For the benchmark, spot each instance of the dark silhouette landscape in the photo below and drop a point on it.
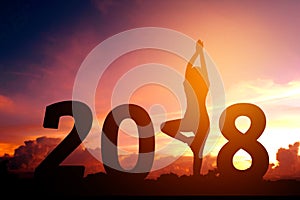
(68, 181)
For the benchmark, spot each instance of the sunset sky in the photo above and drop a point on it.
(254, 45)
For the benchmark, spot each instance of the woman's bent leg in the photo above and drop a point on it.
(172, 128)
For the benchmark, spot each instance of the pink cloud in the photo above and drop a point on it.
(28, 156)
(6, 104)
(104, 5)
(45, 82)
(289, 163)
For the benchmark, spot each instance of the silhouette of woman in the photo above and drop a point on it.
(196, 119)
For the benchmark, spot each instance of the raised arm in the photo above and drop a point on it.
(190, 64)
(202, 61)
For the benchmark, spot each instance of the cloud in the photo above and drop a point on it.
(288, 163)
(6, 104)
(104, 5)
(54, 74)
(265, 91)
(83, 156)
(182, 166)
(28, 156)
(280, 104)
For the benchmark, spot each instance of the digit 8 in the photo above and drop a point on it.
(247, 141)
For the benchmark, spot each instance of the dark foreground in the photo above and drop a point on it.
(100, 184)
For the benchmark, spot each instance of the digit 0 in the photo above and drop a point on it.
(109, 141)
(247, 141)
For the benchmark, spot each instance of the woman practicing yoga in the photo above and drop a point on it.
(196, 119)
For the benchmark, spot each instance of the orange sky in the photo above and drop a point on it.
(252, 44)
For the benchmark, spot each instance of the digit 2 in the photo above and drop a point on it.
(82, 124)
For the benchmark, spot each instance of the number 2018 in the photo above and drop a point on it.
(110, 130)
